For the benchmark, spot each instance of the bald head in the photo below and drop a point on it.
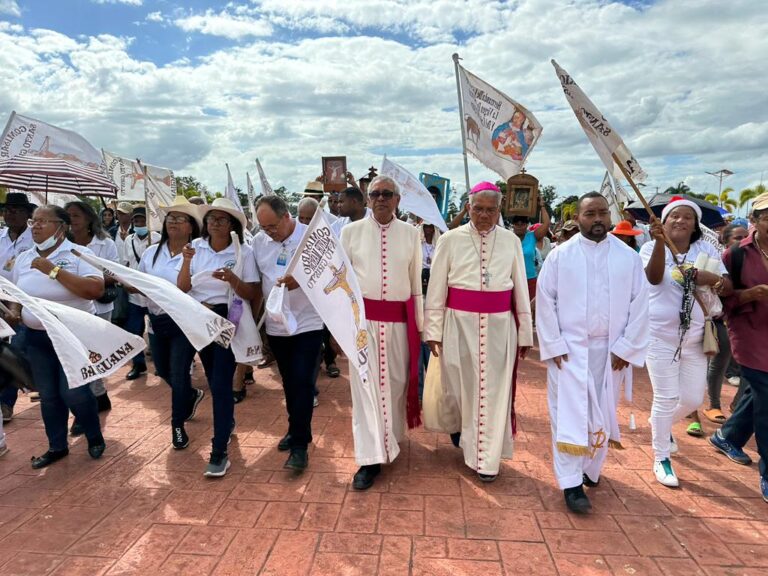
(306, 209)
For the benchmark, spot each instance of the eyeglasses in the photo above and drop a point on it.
(41, 222)
(269, 229)
(219, 221)
(487, 211)
(385, 194)
(179, 220)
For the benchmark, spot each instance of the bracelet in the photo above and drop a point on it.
(55, 272)
(718, 286)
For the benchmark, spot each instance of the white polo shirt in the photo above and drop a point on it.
(208, 289)
(272, 259)
(133, 248)
(10, 249)
(37, 284)
(104, 248)
(666, 298)
(166, 267)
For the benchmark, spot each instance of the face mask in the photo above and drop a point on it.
(140, 230)
(48, 243)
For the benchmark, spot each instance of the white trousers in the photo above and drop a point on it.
(570, 469)
(678, 387)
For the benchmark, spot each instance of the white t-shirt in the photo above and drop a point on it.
(10, 250)
(104, 248)
(37, 284)
(272, 259)
(166, 267)
(666, 298)
(133, 248)
(211, 290)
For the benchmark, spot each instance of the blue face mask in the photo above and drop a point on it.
(140, 230)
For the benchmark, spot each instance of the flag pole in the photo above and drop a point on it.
(461, 120)
(146, 203)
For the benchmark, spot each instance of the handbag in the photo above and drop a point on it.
(711, 344)
(442, 410)
(109, 296)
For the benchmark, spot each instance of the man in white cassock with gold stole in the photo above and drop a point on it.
(385, 254)
(592, 323)
(477, 316)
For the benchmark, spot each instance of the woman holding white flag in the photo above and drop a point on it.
(210, 260)
(171, 350)
(51, 271)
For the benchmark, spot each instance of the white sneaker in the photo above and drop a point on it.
(673, 447)
(664, 473)
(734, 381)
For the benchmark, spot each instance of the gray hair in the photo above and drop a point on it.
(277, 204)
(307, 201)
(485, 194)
(386, 180)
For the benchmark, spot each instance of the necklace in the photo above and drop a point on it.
(757, 241)
(430, 249)
(486, 275)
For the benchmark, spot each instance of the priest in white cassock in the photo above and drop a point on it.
(592, 323)
(385, 254)
(477, 321)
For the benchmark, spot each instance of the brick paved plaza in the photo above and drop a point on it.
(146, 509)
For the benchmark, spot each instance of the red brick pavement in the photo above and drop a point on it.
(146, 509)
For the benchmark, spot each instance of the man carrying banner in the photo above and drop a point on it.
(296, 348)
(592, 322)
(477, 317)
(385, 254)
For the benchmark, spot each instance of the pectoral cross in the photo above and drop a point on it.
(486, 278)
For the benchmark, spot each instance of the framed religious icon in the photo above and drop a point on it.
(522, 198)
(334, 173)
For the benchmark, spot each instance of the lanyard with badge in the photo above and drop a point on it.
(284, 255)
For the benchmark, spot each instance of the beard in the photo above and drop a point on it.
(596, 232)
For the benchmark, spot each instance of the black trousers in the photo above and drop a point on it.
(297, 360)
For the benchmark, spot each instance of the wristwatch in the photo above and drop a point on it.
(55, 272)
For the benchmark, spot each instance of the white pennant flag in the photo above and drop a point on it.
(231, 191)
(324, 272)
(160, 190)
(266, 189)
(621, 194)
(246, 343)
(500, 132)
(127, 175)
(606, 191)
(88, 347)
(200, 325)
(606, 141)
(414, 197)
(251, 196)
(24, 136)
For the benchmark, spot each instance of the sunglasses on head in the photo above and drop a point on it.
(386, 194)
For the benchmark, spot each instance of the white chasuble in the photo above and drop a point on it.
(387, 263)
(479, 350)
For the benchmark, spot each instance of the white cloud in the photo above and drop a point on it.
(128, 2)
(10, 7)
(155, 17)
(683, 83)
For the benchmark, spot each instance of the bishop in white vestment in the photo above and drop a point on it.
(592, 323)
(385, 254)
(476, 289)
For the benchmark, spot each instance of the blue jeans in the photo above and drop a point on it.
(751, 416)
(10, 394)
(297, 360)
(173, 354)
(56, 397)
(219, 367)
(134, 324)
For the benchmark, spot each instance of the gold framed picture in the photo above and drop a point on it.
(522, 198)
(334, 173)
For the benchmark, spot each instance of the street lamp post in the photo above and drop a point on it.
(720, 174)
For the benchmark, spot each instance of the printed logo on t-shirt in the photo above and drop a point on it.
(229, 264)
(62, 263)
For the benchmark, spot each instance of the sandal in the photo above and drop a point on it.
(715, 415)
(694, 429)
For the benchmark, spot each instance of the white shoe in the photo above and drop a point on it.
(664, 473)
(734, 381)
(673, 447)
(315, 402)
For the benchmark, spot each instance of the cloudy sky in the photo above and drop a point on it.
(196, 83)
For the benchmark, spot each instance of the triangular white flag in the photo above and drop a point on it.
(414, 197)
(266, 189)
(231, 192)
(606, 191)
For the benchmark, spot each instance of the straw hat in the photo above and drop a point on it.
(624, 228)
(181, 204)
(760, 203)
(125, 207)
(313, 188)
(224, 205)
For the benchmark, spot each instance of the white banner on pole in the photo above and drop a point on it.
(606, 191)
(414, 197)
(266, 189)
(231, 192)
(325, 274)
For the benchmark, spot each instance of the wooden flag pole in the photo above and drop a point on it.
(146, 203)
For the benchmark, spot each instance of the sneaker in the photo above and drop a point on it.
(734, 381)
(217, 465)
(315, 402)
(664, 473)
(199, 395)
(179, 438)
(7, 412)
(4, 450)
(736, 454)
(763, 482)
(673, 447)
(576, 500)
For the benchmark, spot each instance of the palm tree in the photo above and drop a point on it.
(681, 188)
(568, 211)
(723, 200)
(749, 194)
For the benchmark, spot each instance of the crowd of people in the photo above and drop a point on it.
(449, 318)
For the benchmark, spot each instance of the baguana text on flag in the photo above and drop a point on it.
(231, 192)
(414, 197)
(127, 175)
(606, 191)
(605, 140)
(266, 189)
(499, 132)
(24, 136)
(322, 269)
(88, 347)
(200, 325)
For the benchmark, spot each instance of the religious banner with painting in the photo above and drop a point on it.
(334, 173)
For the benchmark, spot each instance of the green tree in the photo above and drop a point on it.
(560, 211)
(189, 186)
(723, 200)
(749, 194)
(681, 188)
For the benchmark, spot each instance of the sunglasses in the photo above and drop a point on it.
(385, 194)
